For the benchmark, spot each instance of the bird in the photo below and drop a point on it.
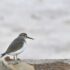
(17, 44)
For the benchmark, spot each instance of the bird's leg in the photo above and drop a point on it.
(15, 59)
(16, 56)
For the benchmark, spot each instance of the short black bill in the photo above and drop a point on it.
(30, 38)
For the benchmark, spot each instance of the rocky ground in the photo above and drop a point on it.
(43, 64)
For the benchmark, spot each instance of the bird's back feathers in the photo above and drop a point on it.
(15, 45)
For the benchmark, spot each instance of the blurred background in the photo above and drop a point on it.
(47, 21)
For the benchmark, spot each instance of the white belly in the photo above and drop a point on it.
(18, 52)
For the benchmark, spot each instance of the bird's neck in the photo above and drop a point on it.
(22, 38)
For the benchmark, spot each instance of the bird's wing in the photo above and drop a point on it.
(15, 45)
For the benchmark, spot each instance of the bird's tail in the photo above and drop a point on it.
(3, 54)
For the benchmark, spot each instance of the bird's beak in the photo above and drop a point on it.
(29, 38)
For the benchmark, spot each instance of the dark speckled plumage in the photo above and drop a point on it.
(16, 44)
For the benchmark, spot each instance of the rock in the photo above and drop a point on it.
(3, 66)
(10, 64)
(51, 64)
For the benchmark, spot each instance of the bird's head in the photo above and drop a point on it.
(24, 35)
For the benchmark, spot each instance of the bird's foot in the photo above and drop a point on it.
(15, 62)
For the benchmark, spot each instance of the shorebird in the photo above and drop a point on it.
(16, 45)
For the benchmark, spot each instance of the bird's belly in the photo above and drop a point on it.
(18, 51)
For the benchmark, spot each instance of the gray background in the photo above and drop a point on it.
(48, 21)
